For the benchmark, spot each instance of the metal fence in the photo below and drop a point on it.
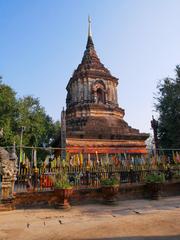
(90, 177)
(38, 166)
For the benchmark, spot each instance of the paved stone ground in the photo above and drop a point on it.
(128, 220)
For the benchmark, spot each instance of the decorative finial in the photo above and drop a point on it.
(89, 27)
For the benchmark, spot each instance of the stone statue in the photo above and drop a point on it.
(8, 171)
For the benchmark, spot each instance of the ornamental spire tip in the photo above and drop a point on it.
(89, 27)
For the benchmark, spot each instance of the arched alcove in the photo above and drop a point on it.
(100, 96)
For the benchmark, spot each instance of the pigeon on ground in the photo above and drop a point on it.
(60, 221)
(136, 212)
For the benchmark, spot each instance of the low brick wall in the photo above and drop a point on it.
(131, 191)
(84, 196)
(171, 189)
(34, 199)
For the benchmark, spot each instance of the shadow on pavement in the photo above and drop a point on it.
(177, 237)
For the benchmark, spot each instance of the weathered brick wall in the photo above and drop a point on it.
(126, 192)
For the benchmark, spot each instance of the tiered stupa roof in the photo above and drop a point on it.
(91, 65)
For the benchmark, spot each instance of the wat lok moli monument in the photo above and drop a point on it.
(94, 119)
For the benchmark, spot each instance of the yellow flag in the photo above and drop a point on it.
(21, 155)
(174, 157)
(58, 161)
(177, 157)
(67, 156)
(81, 159)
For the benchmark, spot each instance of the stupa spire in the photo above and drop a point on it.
(89, 41)
(89, 27)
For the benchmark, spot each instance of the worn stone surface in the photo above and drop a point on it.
(128, 220)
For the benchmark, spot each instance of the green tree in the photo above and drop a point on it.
(39, 127)
(8, 114)
(40, 130)
(168, 107)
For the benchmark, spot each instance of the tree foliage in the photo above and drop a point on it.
(168, 107)
(8, 113)
(26, 112)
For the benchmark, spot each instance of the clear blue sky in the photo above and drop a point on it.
(42, 42)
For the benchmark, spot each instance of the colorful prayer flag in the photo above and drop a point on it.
(35, 157)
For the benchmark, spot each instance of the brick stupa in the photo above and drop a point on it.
(94, 120)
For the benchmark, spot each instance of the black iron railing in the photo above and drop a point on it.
(90, 177)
